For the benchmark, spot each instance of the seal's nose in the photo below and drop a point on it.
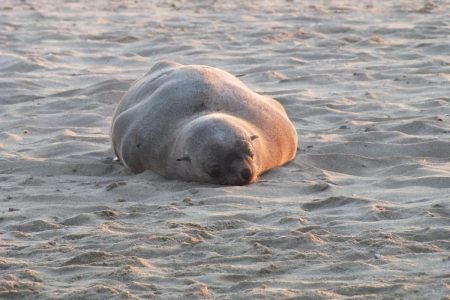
(246, 174)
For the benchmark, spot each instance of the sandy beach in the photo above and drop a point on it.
(363, 212)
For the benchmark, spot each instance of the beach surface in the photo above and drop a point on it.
(363, 212)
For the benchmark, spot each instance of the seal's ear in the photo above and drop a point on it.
(254, 137)
(184, 158)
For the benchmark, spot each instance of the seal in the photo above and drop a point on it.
(199, 123)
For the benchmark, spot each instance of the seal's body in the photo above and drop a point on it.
(199, 123)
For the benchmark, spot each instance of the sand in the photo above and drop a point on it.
(362, 213)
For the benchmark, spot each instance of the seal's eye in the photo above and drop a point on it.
(250, 153)
(214, 171)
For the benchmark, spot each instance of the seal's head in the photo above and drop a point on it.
(231, 164)
(219, 149)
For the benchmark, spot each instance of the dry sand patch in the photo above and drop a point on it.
(362, 213)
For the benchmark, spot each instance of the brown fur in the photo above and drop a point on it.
(199, 123)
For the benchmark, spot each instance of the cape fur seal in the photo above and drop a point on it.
(199, 123)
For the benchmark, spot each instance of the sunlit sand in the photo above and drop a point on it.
(362, 212)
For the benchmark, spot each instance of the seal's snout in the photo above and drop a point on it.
(246, 174)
